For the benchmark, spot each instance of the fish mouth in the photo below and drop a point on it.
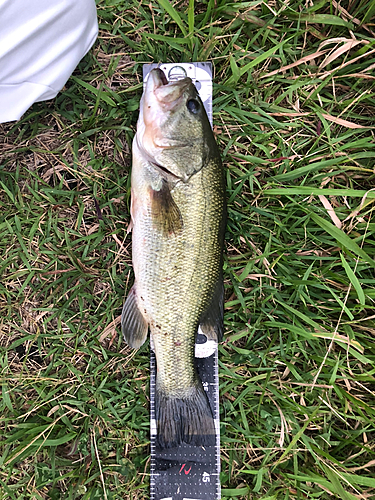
(159, 77)
(168, 94)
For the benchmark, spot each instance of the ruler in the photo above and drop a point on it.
(188, 472)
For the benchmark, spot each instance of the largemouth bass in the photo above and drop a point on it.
(178, 221)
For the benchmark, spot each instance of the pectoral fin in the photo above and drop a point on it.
(165, 213)
(212, 320)
(134, 326)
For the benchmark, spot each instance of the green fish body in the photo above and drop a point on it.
(178, 219)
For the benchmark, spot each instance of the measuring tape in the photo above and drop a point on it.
(188, 472)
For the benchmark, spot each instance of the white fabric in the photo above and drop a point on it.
(41, 43)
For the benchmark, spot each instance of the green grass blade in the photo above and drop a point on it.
(168, 7)
(342, 238)
(321, 19)
(354, 281)
(258, 60)
(233, 493)
(311, 190)
(8, 192)
(97, 92)
(191, 16)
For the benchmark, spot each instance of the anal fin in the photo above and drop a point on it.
(134, 326)
(212, 320)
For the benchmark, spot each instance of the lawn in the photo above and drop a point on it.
(294, 117)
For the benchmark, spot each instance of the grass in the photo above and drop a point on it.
(294, 117)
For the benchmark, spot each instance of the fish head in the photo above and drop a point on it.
(173, 131)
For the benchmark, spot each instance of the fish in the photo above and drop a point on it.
(178, 218)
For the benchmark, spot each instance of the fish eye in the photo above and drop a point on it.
(193, 106)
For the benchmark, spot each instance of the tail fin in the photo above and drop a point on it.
(187, 420)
